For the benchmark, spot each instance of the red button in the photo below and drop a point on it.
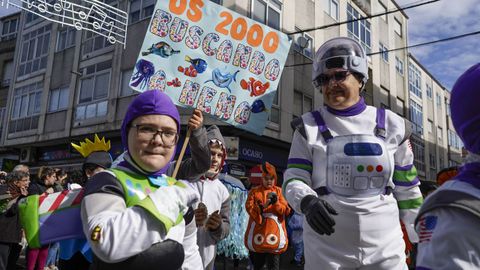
(379, 168)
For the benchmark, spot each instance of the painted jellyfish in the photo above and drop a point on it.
(144, 71)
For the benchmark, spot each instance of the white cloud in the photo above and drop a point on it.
(443, 19)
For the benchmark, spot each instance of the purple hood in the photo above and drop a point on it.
(464, 105)
(148, 103)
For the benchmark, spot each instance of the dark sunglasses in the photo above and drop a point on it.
(324, 79)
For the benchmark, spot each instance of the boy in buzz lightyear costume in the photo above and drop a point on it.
(449, 219)
(134, 216)
(350, 170)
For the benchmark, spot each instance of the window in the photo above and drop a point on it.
(9, 29)
(438, 98)
(220, 2)
(383, 10)
(140, 9)
(267, 12)
(432, 161)
(94, 86)
(66, 38)
(384, 52)
(416, 116)
(447, 106)
(440, 134)
(303, 43)
(31, 17)
(7, 74)
(359, 30)
(414, 80)
(26, 108)
(58, 99)
(332, 9)
(301, 104)
(94, 42)
(418, 148)
(397, 27)
(126, 89)
(400, 107)
(430, 126)
(453, 140)
(274, 116)
(2, 119)
(399, 65)
(35, 50)
(429, 91)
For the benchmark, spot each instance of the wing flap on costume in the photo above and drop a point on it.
(52, 217)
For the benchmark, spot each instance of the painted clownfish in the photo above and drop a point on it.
(256, 87)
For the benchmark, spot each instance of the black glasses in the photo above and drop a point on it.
(324, 79)
(146, 132)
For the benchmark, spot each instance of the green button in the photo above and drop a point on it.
(360, 168)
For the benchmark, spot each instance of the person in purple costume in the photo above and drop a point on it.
(449, 219)
(134, 215)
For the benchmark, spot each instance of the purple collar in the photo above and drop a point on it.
(356, 109)
(470, 173)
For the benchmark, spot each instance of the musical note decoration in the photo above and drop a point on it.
(90, 15)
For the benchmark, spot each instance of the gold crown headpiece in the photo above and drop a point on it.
(88, 147)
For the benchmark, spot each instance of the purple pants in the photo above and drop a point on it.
(38, 257)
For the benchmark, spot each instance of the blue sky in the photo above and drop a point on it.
(446, 61)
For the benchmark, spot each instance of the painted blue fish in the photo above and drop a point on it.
(258, 106)
(223, 80)
(198, 64)
(161, 49)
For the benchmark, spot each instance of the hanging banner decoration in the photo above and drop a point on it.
(91, 15)
(208, 57)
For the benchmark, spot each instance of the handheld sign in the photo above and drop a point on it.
(208, 57)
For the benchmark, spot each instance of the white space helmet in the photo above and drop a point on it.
(340, 52)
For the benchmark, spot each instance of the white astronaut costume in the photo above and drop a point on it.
(449, 238)
(448, 221)
(354, 175)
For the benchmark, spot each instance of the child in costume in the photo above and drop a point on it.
(266, 235)
(76, 254)
(135, 217)
(449, 219)
(212, 213)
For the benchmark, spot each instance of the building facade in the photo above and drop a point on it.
(68, 84)
(434, 141)
(9, 26)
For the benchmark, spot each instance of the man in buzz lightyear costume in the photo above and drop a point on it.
(134, 216)
(350, 170)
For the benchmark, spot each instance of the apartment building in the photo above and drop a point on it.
(76, 83)
(9, 26)
(434, 141)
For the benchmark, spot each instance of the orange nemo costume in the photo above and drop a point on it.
(266, 231)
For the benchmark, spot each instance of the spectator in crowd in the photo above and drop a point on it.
(37, 257)
(11, 230)
(266, 235)
(3, 178)
(22, 167)
(213, 211)
(62, 178)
